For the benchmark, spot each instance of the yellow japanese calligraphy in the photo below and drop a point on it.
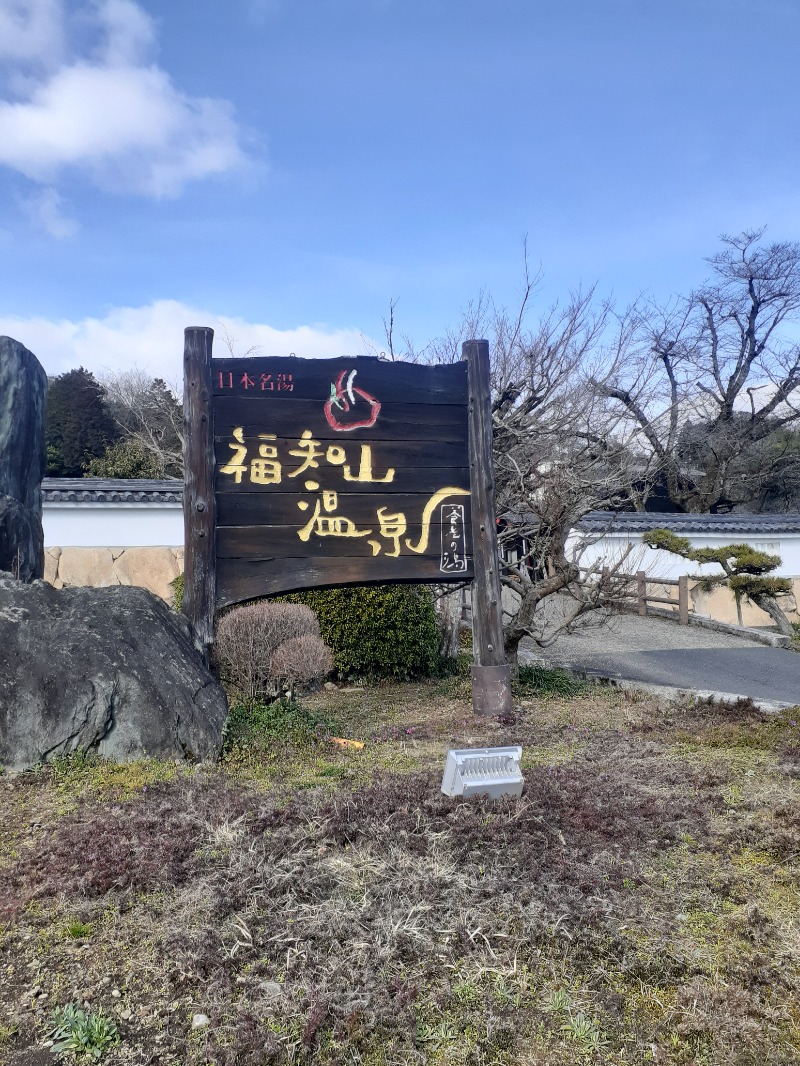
(236, 466)
(393, 526)
(328, 525)
(266, 470)
(365, 468)
(427, 514)
(308, 450)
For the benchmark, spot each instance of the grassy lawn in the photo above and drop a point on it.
(306, 903)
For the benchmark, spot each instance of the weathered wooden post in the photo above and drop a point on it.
(491, 677)
(199, 504)
(683, 600)
(641, 592)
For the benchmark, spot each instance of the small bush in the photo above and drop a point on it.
(300, 660)
(77, 930)
(540, 681)
(284, 719)
(247, 639)
(377, 631)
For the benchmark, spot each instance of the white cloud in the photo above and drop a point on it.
(44, 208)
(32, 30)
(151, 338)
(111, 115)
(129, 32)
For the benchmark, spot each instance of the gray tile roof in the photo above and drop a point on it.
(110, 490)
(724, 525)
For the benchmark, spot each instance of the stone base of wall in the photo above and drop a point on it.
(720, 604)
(150, 568)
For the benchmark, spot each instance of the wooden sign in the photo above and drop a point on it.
(335, 472)
(307, 473)
(338, 471)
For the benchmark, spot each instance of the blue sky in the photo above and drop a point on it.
(285, 168)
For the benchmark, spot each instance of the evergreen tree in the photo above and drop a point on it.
(78, 426)
(745, 572)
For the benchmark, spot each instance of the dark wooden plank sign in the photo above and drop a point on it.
(337, 471)
(309, 473)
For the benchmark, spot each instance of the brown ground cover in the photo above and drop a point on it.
(638, 904)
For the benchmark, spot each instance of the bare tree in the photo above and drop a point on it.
(396, 346)
(149, 415)
(231, 342)
(713, 379)
(560, 450)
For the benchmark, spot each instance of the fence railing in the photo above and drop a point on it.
(612, 582)
(638, 584)
(643, 598)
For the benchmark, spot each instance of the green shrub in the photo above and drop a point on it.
(377, 631)
(283, 719)
(535, 680)
(126, 459)
(177, 593)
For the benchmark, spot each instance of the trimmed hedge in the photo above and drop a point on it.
(377, 631)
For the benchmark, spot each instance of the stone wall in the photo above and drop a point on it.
(720, 605)
(150, 568)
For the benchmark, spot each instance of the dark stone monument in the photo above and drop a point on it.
(23, 394)
(106, 670)
(111, 670)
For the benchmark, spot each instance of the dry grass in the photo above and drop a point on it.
(638, 904)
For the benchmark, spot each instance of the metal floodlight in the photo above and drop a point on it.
(490, 772)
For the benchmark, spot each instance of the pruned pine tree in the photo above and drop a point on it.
(745, 571)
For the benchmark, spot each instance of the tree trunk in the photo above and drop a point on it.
(770, 606)
(738, 598)
(448, 610)
(511, 649)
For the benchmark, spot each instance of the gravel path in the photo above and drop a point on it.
(659, 652)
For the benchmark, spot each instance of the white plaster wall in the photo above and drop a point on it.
(719, 604)
(610, 548)
(108, 525)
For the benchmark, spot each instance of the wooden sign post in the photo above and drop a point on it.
(199, 504)
(491, 676)
(310, 473)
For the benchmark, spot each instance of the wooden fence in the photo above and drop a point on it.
(641, 581)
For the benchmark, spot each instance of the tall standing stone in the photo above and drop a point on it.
(23, 394)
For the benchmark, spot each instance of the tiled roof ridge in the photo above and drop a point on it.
(723, 524)
(111, 490)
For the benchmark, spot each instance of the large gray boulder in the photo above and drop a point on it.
(23, 459)
(109, 670)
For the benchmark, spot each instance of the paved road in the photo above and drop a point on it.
(659, 652)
